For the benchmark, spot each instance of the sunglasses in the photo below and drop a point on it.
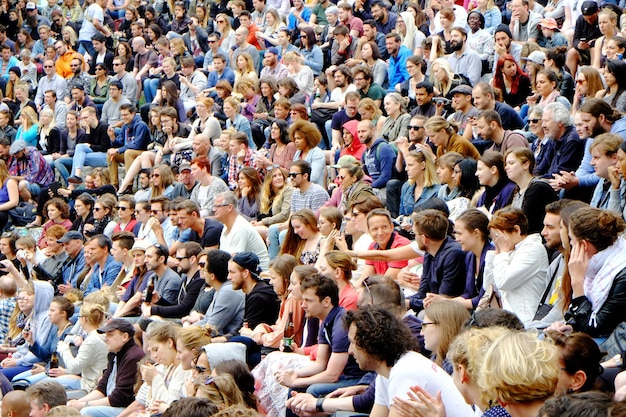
(117, 65)
(580, 81)
(155, 175)
(534, 121)
(294, 174)
(97, 209)
(122, 208)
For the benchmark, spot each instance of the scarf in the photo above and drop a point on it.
(601, 272)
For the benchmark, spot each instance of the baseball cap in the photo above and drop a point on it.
(549, 23)
(462, 89)
(184, 166)
(249, 261)
(18, 145)
(71, 235)
(118, 324)
(141, 245)
(30, 6)
(536, 56)
(273, 50)
(344, 161)
(589, 8)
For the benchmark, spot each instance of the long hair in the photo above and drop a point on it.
(167, 178)
(442, 86)
(254, 178)
(618, 69)
(498, 79)
(268, 193)
(172, 93)
(30, 117)
(469, 183)
(593, 78)
(51, 125)
(449, 317)
(293, 243)
(430, 172)
(4, 172)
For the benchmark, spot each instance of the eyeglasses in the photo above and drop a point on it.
(534, 121)
(415, 127)
(220, 205)
(580, 81)
(48, 66)
(117, 65)
(427, 323)
(181, 258)
(359, 79)
(74, 66)
(57, 48)
(99, 69)
(294, 174)
(155, 175)
(303, 36)
(219, 21)
(212, 41)
(122, 208)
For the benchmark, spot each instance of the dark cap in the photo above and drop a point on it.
(272, 50)
(78, 86)
(588, 8)
(118, 324)
(184, 166)
(71, 235)
(462, 89)
(505, 29)
(249, 261)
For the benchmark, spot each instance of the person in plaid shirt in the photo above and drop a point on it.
(30, 168)
(240, 156)
(8, 298)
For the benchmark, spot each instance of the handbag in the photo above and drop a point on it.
(615, 344)
(490, 299)
(23, 214)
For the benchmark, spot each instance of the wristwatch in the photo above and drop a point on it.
(319, 405)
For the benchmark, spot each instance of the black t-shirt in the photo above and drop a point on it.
(211, 234)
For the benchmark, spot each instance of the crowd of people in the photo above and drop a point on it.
(301, 208)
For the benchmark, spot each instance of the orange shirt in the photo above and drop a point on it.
(63, 67)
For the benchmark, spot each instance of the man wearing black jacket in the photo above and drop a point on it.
(115, 389)
(93, 152)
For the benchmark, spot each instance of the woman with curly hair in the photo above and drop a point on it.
(305, 137)
(58, 212)
(511, 79)
(303, 237)
(248, 193)
(275, 202)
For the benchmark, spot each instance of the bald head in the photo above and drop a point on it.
(8, 287)
(15, 402)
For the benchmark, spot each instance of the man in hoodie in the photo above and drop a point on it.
(132, 140)
(378, 160)
(261, 304)
(115, 389)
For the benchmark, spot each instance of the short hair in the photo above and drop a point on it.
(607, 143)
(125, 239)
(128, 199)
(191, 248)
(345, 6)
(8, 286)
(431, 223)
(579, 404)
(323, 285)
(366, 204)
(362, 69)
(102, 241)
(57, 231)
(491, 116)
(129, 107)
(229, 198)
(47, 392)
(380, 333)
(189, 206)
(426, 85)
(394, 36)
(560, 114)
(203, 162)
(379, 212)
(191, 407)
(519, 368)
(341, 30)
(507, 218)
(305, 167)
(217, 264)
(63, 410)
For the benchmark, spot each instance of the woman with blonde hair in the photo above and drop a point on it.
(422, 183)
(221, 390)
(69, 36)
(226, 30)
(244, 68)
(273, 23)
(444, 134)
(305, 137)
(49, 135)
(9, 194)
(607, 23)
(443, 78)
(71, 9)
(303, 237)
(189, 345)
(236, 120)
(300, 73)
(29, 127)
(370, 111)
(397, 123)
(162, 181)
(179, 51)
(520, 372)
(275, 203)
(443, 321)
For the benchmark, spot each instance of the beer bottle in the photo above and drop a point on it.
(289, 334)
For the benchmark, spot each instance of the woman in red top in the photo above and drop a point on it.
(58, 212)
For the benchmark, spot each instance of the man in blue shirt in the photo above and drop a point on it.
(105, 268)
(398, 55)
(378, 159)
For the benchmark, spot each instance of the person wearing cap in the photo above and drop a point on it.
(64, 279)
(80, 99)
(29, 167)
(503, 44)
(51, 81)
(114, 391)
(586, 31)
(272, 68)
(552, 37)
(65, 58)
(464, 110)
(102, 56)
(261, 302)
(131, 295)
(186, 183)
(111, 107)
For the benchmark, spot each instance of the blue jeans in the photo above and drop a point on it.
(11, 372)
(63, 167)
(150, 88)
(102, 411)
(35, 189)
(86, 46)
(276, 239)
(85, 156)
(28, 376)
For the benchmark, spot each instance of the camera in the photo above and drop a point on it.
(441, 101)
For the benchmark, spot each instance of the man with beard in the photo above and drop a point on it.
(185, 184)
(28, 166)
(33, 21)
(464, 61)
(444, 261)
(167, 282)
(484, 99)
(465, 112)
(187, 258)
(378, 159)
(340, 82)
(398, 54)
(78, 79)
(385, 20)
(204, 231)
(565, 149)
(424, 92)
(489, 127)
(504, 45)
(271, 67)
(364, 82)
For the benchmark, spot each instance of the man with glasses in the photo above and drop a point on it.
(132, 140)
(187, 258)
(159, 208)
(51, 81)
(364, 81)
(214, 49)
(65, 58)
(78, 78)
(111, 109)
(102, 56)
(129, 84)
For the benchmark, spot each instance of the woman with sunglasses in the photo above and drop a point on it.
(588, 83)
(422, 184)
(189, 345)
(126, 214)
(99, 86)
(103, 210)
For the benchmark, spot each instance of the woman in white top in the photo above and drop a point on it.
(412, 37)
(301, 74)
(209, 187)
(83, 370)
(517, 268)
(226, 30)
